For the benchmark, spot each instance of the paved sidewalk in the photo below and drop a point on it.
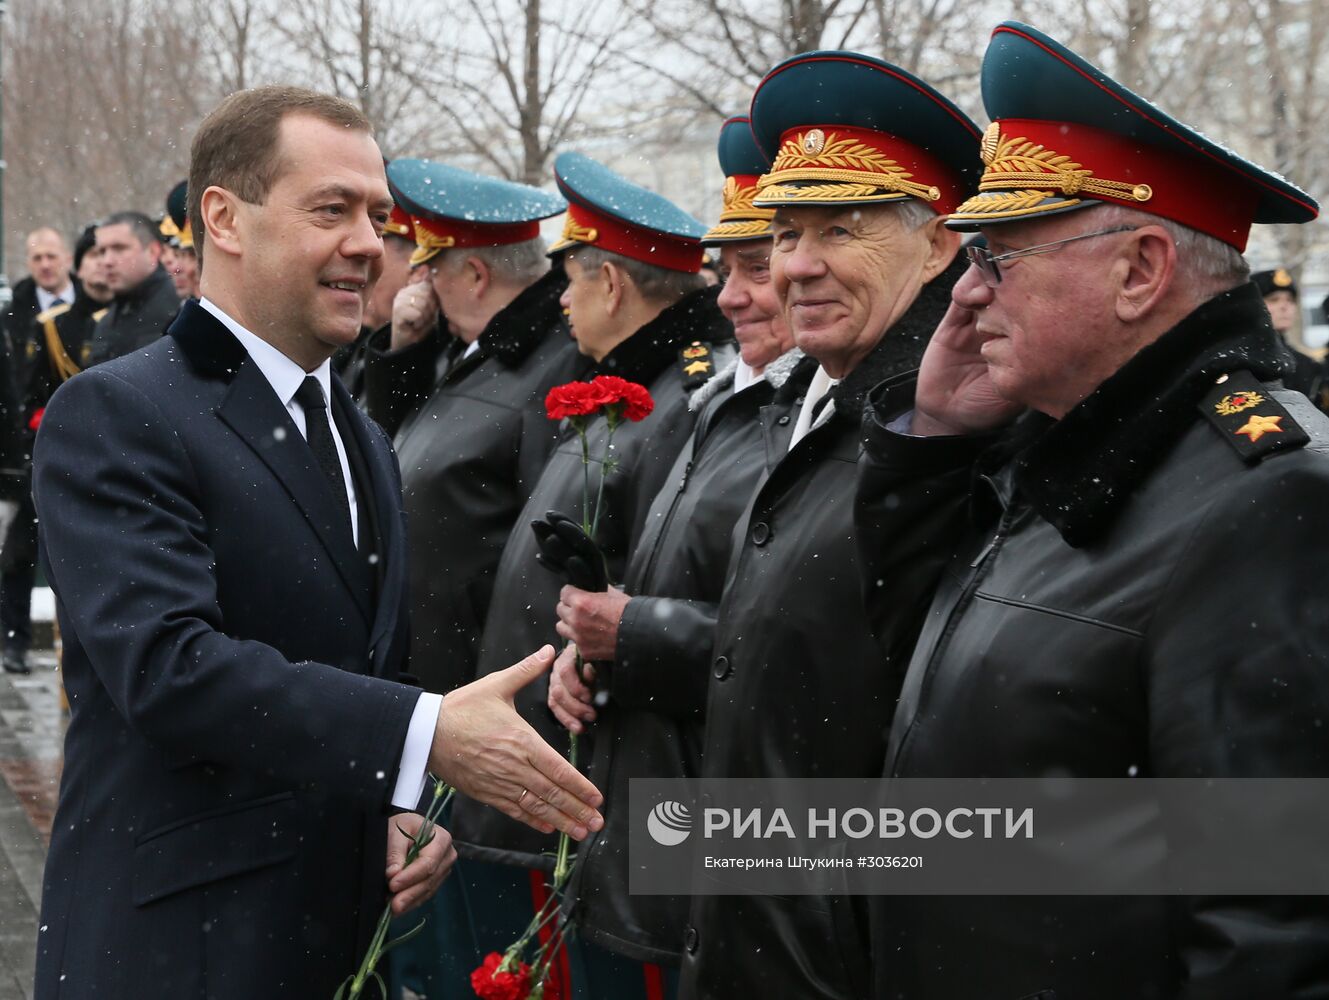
(31, 737)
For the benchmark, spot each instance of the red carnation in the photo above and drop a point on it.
(637, 400)
(573, 399)
(491, 984)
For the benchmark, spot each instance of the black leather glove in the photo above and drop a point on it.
(567, 551)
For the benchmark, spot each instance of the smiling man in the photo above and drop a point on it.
(863, 268)
(640, 311)
(651, 640)
(1124, 570)
(223, 532)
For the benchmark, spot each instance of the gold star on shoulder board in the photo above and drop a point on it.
(696, 367)
(1257, 427)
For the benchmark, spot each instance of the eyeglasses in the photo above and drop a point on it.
(982, 258)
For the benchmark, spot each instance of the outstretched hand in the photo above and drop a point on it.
(485, 749)
(955, 393)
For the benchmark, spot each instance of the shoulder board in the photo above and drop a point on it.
(53, 312)
(1249, 418)
(97, 316)
(696, 363)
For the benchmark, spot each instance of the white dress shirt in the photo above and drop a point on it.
(821, 384)
(744, 376)
(285, 377)
(45, 298)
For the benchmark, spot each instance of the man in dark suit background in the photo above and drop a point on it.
(49, 284)
(223, 532)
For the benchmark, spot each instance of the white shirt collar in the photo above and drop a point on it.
(45, 298)
(283, 374)
(821, 384)
(744, 376)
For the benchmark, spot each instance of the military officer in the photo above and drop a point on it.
(473, 444)
(651, 640)
(1281, 298)
(866, 159)
(639, 310)
(64, 332)
(1089, 623)
(179, 257)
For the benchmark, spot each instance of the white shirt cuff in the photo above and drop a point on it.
(415, 755)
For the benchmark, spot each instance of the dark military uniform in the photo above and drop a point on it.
(796, 689)
(1122, 591)
(1308, 376)
(651, 725)
(18, 555)
(62, 345)
(503, 867)
(469, 457)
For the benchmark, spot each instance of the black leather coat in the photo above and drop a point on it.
(470, 454)
(651, 726)
(521, 612)
(1126, 596)
(797, 689)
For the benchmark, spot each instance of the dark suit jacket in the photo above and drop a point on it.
(229, 657)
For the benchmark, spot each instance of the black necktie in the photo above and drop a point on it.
(318, 432)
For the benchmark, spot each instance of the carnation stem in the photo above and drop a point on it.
(586, 479)
(376, 950)
(600, 491)
(562, 865)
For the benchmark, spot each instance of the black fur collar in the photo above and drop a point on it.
(901, 349)
(207, 345)
(523, 323)
(647, 352)
(1082, 469)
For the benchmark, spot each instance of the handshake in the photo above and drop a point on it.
(483, 747)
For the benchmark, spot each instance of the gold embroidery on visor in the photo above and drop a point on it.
(846, 169)
(1023, 177)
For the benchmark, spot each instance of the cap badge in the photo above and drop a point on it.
(814, 141)
(1236, 402)
(1282, 279)
(988, 148)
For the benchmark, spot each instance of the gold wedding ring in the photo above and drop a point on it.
(524, 793)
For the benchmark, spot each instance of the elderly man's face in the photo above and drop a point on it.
(314, 249)
(844, 276)
(749, 301)
(1048, 327)
(586, 301)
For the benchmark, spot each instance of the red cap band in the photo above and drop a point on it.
(1205, 196)
(585, 225)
